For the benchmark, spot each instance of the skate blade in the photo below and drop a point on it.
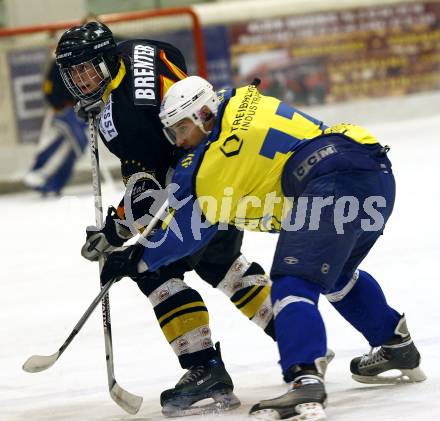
(312, 411)
(222, 402)
(414, 375)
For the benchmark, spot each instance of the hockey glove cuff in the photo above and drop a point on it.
(124, 262)
(84, 108)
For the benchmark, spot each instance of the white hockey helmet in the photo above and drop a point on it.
(185, 99)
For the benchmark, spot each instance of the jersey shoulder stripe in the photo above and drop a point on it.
(180, 74)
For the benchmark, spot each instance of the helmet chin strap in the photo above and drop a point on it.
(209, 117)
(207, 132)
(104, 69)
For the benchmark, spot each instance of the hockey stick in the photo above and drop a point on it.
(37, 363)
(126, 400)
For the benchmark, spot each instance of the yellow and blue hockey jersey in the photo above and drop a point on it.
(234, 176)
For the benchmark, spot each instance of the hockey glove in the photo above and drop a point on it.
(111, 236)
(124, 262)
(84, 108)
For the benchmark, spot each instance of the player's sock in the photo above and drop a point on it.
(183, 318)
(299, 326)
(248, 287)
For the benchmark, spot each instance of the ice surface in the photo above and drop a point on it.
(45, 286)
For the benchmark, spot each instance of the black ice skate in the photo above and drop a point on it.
(210, 380)
(305, 400)
(399, 354)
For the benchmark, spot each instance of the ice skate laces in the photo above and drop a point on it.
(191, 375)
(375, 356)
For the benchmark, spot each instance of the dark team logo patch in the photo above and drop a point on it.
(145, 86)
(232, 146)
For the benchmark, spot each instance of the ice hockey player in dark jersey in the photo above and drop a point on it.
(129, 80)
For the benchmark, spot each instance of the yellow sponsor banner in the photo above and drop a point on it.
(342, 54)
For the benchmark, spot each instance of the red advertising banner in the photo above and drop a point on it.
(340, 55)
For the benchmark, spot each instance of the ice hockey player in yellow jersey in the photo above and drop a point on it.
(258, 163)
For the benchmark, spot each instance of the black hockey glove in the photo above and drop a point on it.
(124, 262)
(84, 108)
(111, 236)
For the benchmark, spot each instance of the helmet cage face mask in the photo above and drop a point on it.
(87, 80)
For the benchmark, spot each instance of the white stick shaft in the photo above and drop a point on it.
(128, 401)
(96, 184)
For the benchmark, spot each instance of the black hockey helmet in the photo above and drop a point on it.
(88, 60)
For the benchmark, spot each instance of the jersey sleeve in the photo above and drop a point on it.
(142, 197)
(186, 229)
(178, 237)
